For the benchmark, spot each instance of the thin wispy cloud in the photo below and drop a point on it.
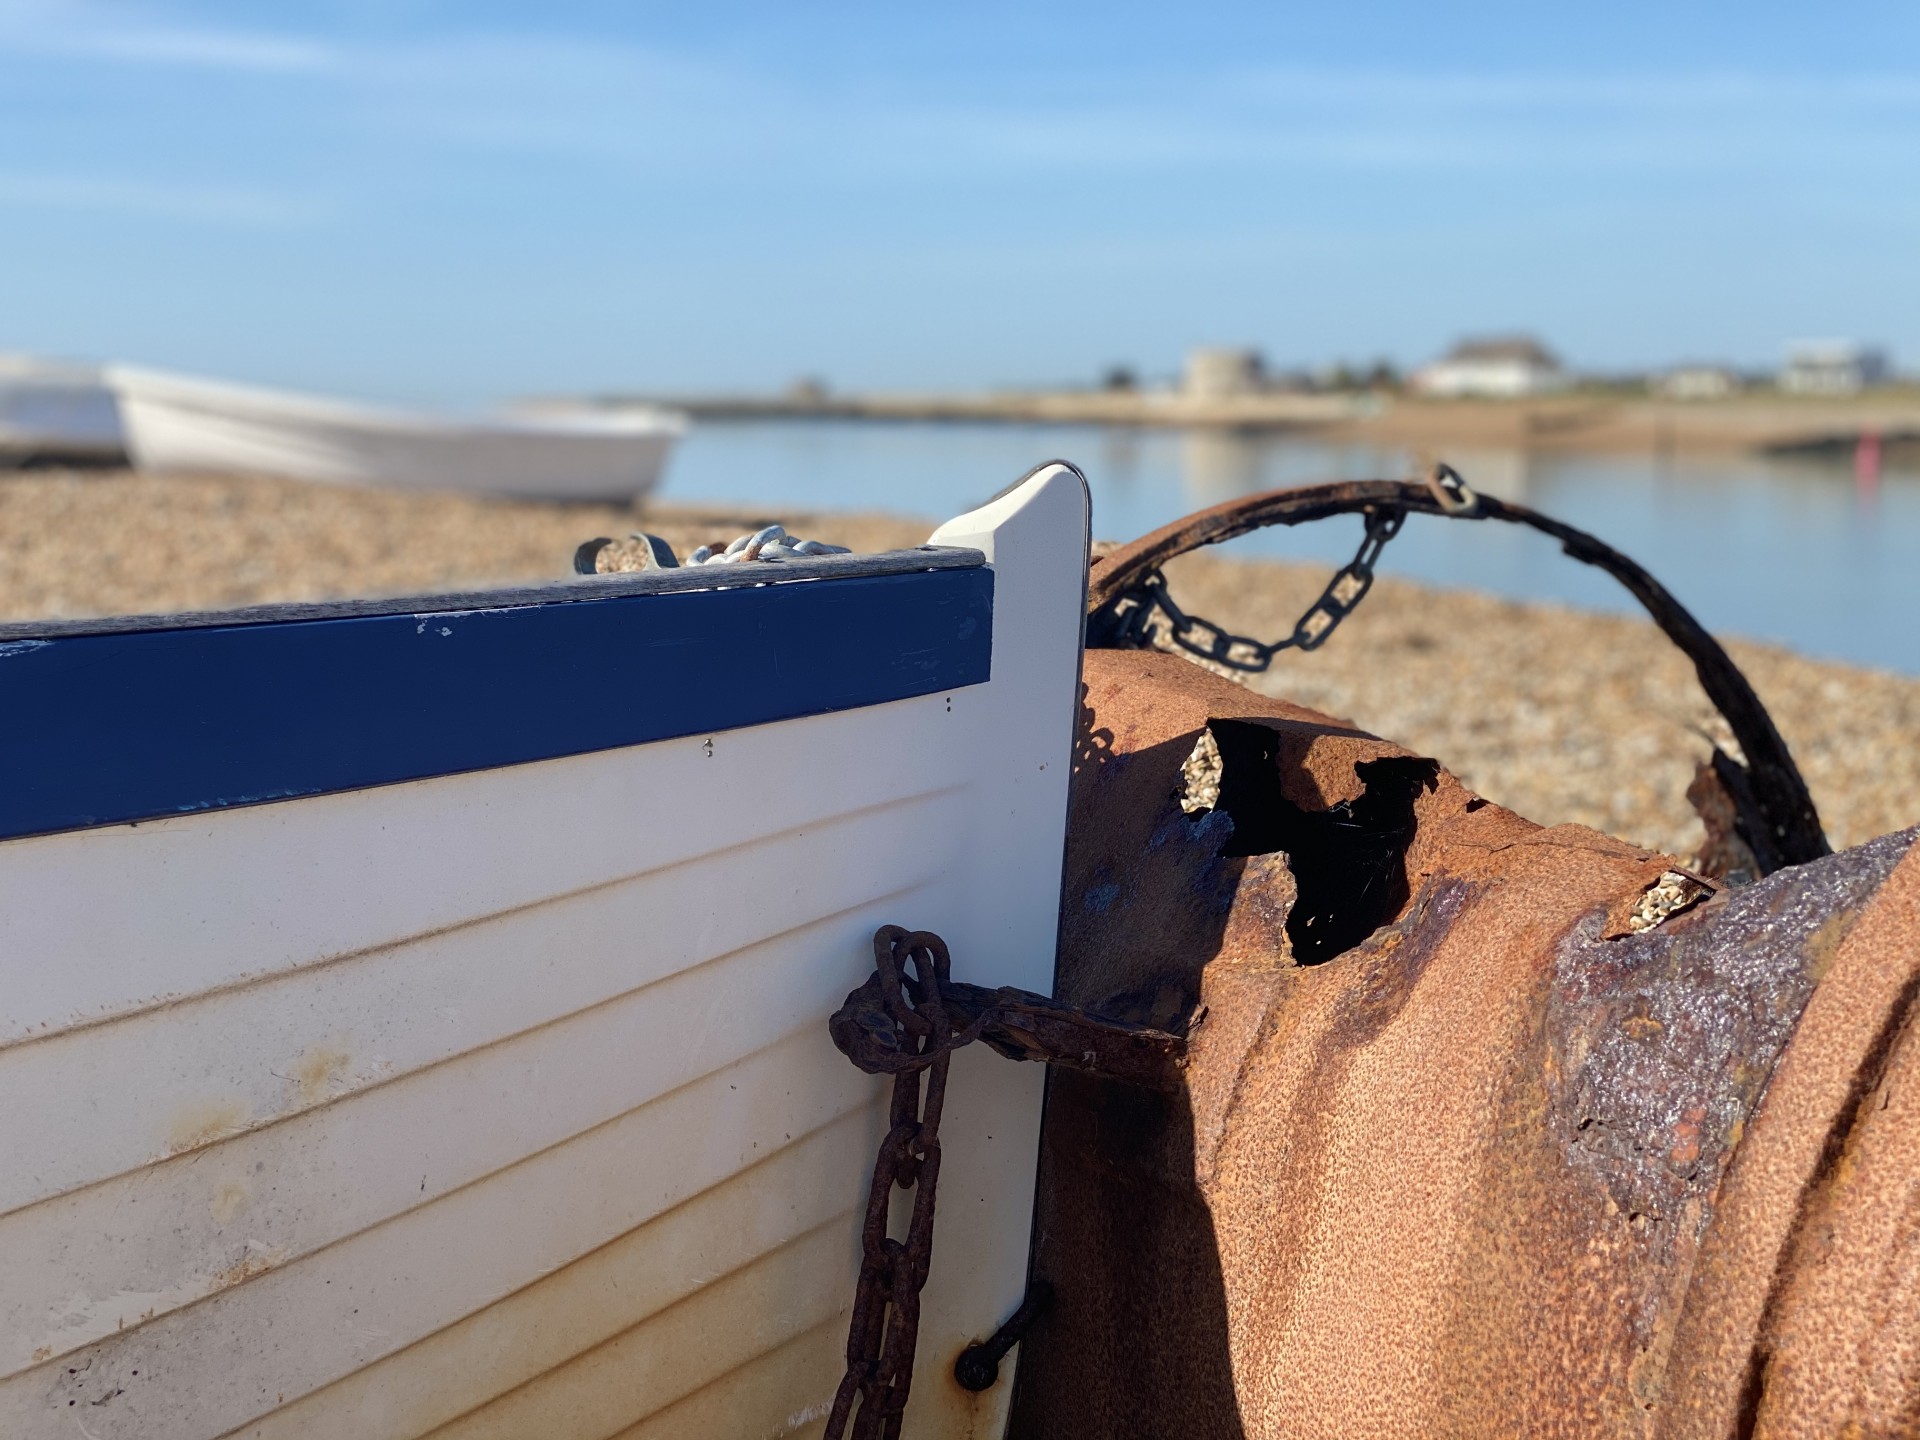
(656, 111)
(213, 49)
(148, 199)
(651, 110)
(1402, 119)
(92, 32)
(1440, 91)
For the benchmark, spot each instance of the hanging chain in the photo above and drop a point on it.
(886, 1306)
(901, 1024)
(1137, 604)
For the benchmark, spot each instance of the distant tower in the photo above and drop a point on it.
(1219, 370)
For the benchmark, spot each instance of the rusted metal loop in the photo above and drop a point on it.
(919, 1241)
(1784, 826)
(900, 1153)
(978, 1367)
(887, 957)
(1455, 496)
(914, 1004)
(931, 967)
(864, 1030)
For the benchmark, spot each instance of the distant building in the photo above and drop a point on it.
(1506, 366)
(1832, 367)
(1698, 382)
(1215, 371)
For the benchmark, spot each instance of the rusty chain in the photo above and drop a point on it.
(1136, 606)
(1133, 609)
(902, 1024)
(886, 1307)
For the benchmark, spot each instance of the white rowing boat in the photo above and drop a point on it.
(57, 411)
(413, 1014)
(176, 422)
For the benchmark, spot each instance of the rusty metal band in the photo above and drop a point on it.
(1783, 813)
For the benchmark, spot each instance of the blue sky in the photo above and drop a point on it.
(453, 203)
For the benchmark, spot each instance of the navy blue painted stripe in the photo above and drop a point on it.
(98, 729)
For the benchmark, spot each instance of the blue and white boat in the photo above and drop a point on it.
(412, 1014)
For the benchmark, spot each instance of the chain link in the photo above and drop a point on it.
(886, 1308)
(903, 1024)
(1138, 603)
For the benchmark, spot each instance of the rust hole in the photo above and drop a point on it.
(1348, 861)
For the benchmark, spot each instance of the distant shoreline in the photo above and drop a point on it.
(1567, 422)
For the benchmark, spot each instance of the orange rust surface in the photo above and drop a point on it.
(1498, 1168)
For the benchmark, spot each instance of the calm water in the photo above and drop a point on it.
(1789, 551)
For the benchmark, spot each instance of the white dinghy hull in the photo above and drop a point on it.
(414, 1023)
(175, 422)
(55, 411)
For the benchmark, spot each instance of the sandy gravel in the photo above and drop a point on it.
(1559, 714)
(79, 543)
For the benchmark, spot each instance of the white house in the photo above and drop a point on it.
(1698, 382)
(1832, 367)
(1506, 366)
